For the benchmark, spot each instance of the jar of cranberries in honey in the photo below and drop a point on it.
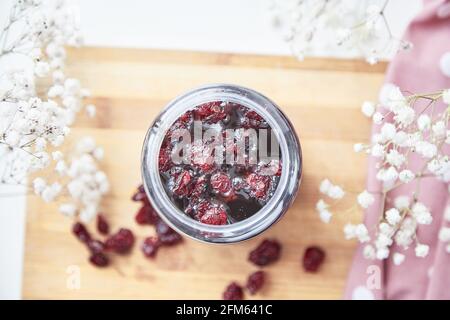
(221, 163)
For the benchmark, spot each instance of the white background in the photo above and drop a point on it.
(241, 26)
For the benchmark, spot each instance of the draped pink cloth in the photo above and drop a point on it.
(418, 71)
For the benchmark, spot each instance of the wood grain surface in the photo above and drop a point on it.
(322, 98)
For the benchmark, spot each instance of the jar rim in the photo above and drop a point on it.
(276, 206)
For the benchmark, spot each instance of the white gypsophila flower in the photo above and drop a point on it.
(325, 185)
(395, 100)
(398, 258)
(439, 129)
(401, 202)
(406, 176)
(377, 118)
(68, 209)
(382, 253)
(388, 131)
(368, 108)
(325, 216)
(421, 213)
(55, 91)
(405, 116)
(369, 252)
(91, 110)
(39, 185)
(98, 153)
(365, 199)
(401, 138)
(321, 205)
(336, 192)
(446, 96)
(358, 147)
(426, 149)
(383, 241)
(377, 150)
(393, 216)
(395, 158)
(386, 229)
(387, 175)
(423, 122)
(362, 233)
(349, 231)
(422, 250)
(444, 234)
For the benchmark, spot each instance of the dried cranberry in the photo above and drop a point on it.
(81, 232)
(266, 253)
(215, 215)
(140, 194)
(221, 183)
(99, 259)
(313, 258)
(96, 246)
(121, 242)
(252, 119)
(181, 183)
(146, 215)
(200, 187)
(255, 281)
(150, 246)
(167, 236)
(102, 224)
(211, 112)
(233, 292)
(258, 185)
(164, 159)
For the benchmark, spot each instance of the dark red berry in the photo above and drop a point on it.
(102, 224)
(164, 159)
(80, 231)
(95, 246)
(150, 246)
(255, 281)
(258, 185)
(221, 183)
(202, 156)
(99, 259)
(215, 215)
(181, 183)
(140, 194)
(313, 258)
(251, 119)
(146, 215)
(233, 292)
(266, 253)
(211, 112)
(167, 236)
(121, 242)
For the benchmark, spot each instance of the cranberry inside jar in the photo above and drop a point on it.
(220, 162)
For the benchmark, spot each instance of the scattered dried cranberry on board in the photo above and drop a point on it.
(102, 224)
(266, 253)
(313, 258)
(255, 281)
(120, 242)
(99, 259)
(150, 246)
(80, 231)
(233, 292)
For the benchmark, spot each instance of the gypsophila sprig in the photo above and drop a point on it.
(32, 125)
(418, 128)
(343, 26)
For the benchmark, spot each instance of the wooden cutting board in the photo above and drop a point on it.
(322, 98)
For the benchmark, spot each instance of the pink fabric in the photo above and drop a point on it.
(415, 71)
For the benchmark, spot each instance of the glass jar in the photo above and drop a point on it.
(276, 206)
